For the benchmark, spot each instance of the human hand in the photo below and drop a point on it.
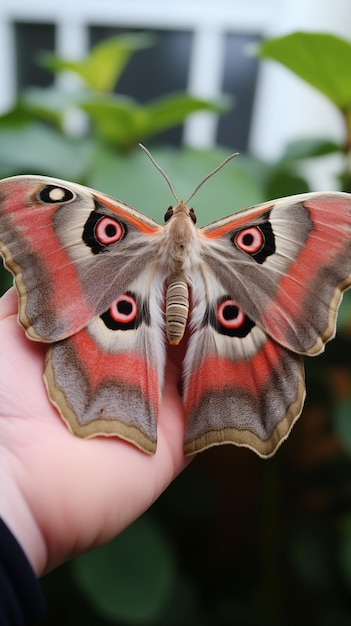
(61, 495)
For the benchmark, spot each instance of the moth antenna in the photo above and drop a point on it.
(159, 168)
(219, 167)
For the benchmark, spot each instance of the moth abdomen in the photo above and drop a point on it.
(177, 308)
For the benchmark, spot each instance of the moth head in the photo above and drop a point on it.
(170, 212)
(180, 208)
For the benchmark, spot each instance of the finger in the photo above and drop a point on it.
(8, 303)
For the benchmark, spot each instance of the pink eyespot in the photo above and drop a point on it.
(250, 240)
(124, 309)
(108, 231)
(230, 315)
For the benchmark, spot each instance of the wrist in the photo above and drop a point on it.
(17, 515)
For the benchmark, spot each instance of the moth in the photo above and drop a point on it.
(106, 287)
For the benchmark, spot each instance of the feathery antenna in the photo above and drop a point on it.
(216, 169)
(159, 168)
(219, 167)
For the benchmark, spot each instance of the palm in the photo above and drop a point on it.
(80, 492)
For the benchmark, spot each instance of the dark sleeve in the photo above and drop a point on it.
(21, 598)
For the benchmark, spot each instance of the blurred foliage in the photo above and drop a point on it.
(323, 61)
(129, 592)
(234, 540)
(103, 66)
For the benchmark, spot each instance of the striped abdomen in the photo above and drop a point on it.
(177, 308)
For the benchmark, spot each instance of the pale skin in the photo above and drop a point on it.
(61, 495)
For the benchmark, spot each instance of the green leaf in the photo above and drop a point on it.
(310, 148)
(17, 115)
(102, 67)
(121, 120)
(49, 104)
(131, 577)
(115, 118)
(173, 109)
(283, 181)
(322, 60)
(33, 148)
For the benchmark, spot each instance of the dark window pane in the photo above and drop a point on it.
(239, 81)
(30, 40)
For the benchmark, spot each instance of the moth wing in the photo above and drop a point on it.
(293, 285)
(107, 378)
(240, 386)
(55, 239)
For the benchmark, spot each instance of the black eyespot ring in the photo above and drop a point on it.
(230, 315)
(250, 240)
(127, 312)
(108, 230)
(54, 194)
(101, 231)
(228, 318)
(257, 240)
(124, 310)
